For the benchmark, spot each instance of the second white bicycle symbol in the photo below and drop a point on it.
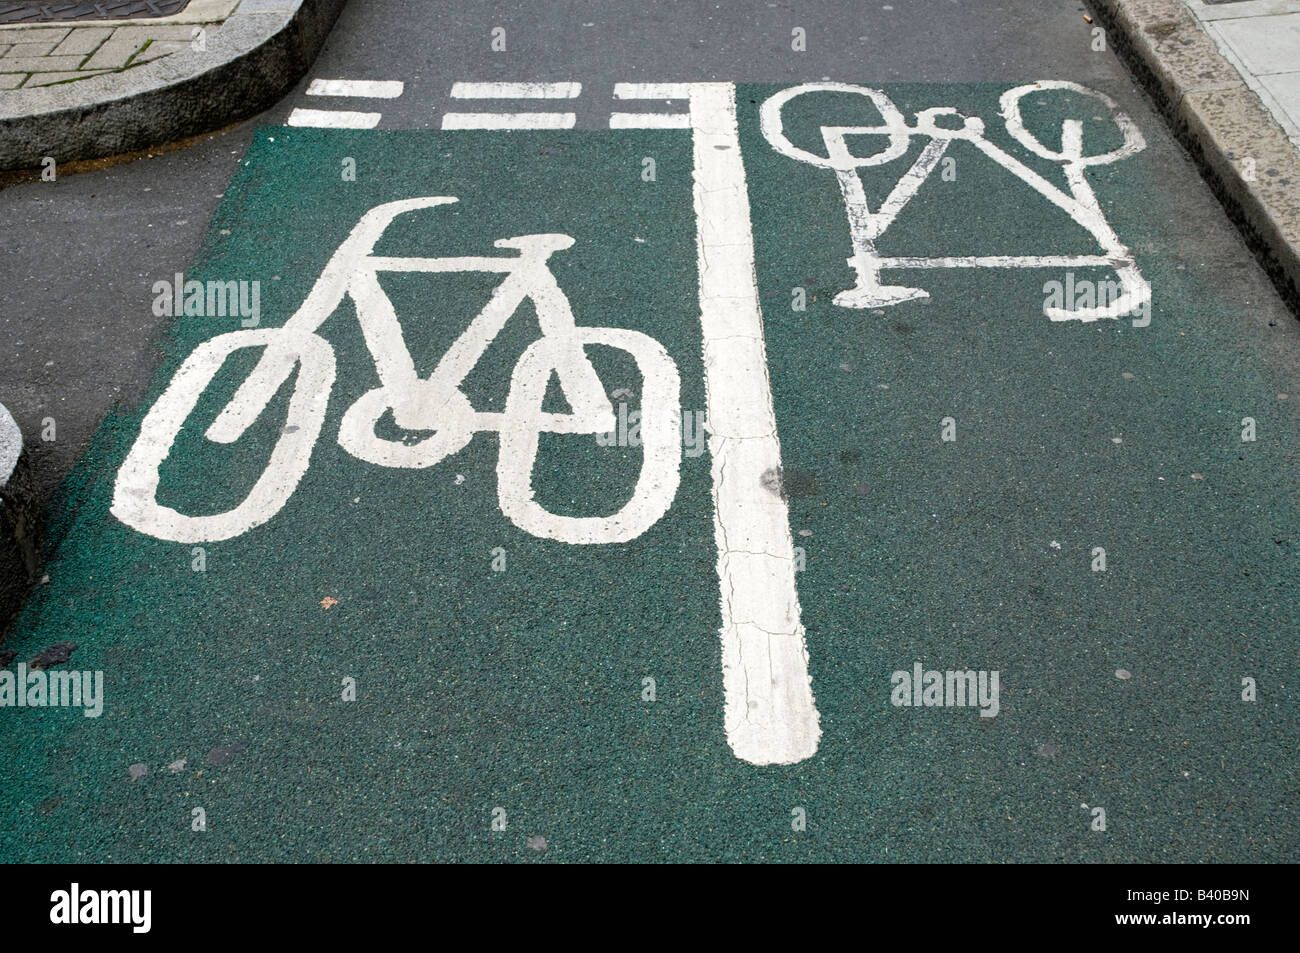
(433, 404)
(941, 126)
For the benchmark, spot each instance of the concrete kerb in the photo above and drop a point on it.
(1244, 155)
(256, 55)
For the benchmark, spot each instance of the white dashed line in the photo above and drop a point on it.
(516, 90)
(364, 88)
(333, 119)
(652, 90)
(649, 121)
(509, 120)
(342, 118)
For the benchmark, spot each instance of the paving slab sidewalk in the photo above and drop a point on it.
(1227, 76)
(84, 89)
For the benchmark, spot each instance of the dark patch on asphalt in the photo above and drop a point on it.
(49, 805)
(53, 655)
(799, 483)
(226, 754)
(789, 484)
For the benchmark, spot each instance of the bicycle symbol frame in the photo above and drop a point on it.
(432, 404)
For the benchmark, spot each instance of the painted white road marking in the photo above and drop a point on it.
(11, 444)
(652, 91)
(516, 90)
(523, 121)
(334, 119)
(363, 88)
(770, 717)
(434, 404)
(865, 227)
(649, 121)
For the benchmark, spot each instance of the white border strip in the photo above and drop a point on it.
(509, 120)
(364, 88)
(333, 119)
(771, 717)
(649, 121)
(516, 90)
(652, 90)
(11, 445)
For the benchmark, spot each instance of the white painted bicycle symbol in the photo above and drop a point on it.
(434, 404)
(866, 227)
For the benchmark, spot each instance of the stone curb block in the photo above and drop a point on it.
(1222, 123)
(250, 61)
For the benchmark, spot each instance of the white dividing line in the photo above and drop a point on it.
(516, 90)
(509, 120)
(333, 119)
(362, 88)
(771, 717)
(652, 90)
(649, 121)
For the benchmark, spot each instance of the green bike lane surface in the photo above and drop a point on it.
(523, 689)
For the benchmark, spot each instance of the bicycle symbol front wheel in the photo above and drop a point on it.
(135, 494)
(524, 422)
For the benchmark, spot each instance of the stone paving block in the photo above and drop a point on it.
(1285, 90)
(1264, 44)
(115, 52)
(38, 64)
(83, 40)
(157, 50)
(182, 31)
(11, 80)
(1233, 10)
(53, 34)
(24, 48)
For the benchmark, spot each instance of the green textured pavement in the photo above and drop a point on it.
(522, 689)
